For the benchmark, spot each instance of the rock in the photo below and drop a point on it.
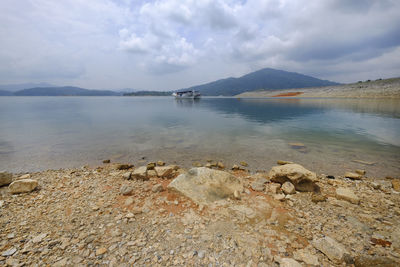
(302, 179)
(259, 184)
(201, 254)
(127, 175)
(101, 251)
(297, 145)
(205, 186)
(151, 165)
(361, 172)
(244, 163)
(5, 178)
(197, 164)
(306, 257)
(126, 190)
(129, 201)
(283, 162)
(288, 188)
(318, 198)
(39, 238)
(331, 248)
(279, 197)
(273, 188)
(396, 184)
(25, 176)
(22, 186)
(160, 163)
(157, 188)
(106, 161)
(236, 195)
(288, 262)
(208, 165)
(220, 165)
(377, 261)
(123, 166)
(140, 173)
(165, 172)
(235, 167)
(9, 252)
(347, 194)
(352, 175)
(151, 173)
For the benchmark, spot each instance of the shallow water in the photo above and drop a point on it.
(38, 133)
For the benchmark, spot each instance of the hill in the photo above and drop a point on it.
(5, 93)
(267, 79)
(386, 88)
(64, 91)
(21, 86)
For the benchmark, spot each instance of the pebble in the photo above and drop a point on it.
(126, 190)
(9, 252)
(157, 188)
(101, 251)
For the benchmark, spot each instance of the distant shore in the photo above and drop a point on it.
(387, 88)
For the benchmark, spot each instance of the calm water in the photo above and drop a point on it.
(55, 132)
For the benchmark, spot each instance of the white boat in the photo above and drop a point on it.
(186, 94)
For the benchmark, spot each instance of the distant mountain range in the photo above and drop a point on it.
(21, 86)
(266, 79)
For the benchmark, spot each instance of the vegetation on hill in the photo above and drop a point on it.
(64, 91)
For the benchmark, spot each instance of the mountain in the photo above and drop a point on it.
(21, 86)
(64, 91)
(267, 79)
(5, 93)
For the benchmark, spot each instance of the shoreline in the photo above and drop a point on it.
(116, 213)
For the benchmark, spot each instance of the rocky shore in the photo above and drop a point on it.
(163, 215)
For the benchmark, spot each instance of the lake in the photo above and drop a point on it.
(328, 136)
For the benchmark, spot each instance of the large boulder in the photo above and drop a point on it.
(22, 186)
(204, 185)
(5, 178)
(302, 179)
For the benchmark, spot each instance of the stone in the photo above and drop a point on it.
(151, 165)
(201, 254)
(165, 172)
(273, 188)
(129, 201)
(101, 251)
(288, 188)
(25, 176)
(140, 173)
(106, 161)
(5, 178)
(236, 195)
(302, 179)
(378, 261)
(331, 248)
(205, 186)
(259, 184)
(306, 257)
(39, 238)
(283, 162)
(197, 164)
(123, 166)
(126, 190)
(347, 194)
(396, 184)
(280, 197)
(157, 188)
(160, 163)
(360, 172)
(288, 262)
(315, 198)
(127, 175)
(23, 186)
(220, 165)
(244, 163)
(151, 173)
(235, 167)
(353, 176)
(9, 252)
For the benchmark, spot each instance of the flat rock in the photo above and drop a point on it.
(9, 252)
(288, 188)
(283, 162)
(259, 184)
(302, 179)
(22, 186)
(347, 194)
(164, 172)
(331, 248)
(353, 176)
(140, 173)
(204, 185)
(5, 178)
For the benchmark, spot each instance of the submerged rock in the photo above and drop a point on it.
(302, 179)
(204, 185)
(23, 186)
(5, 178)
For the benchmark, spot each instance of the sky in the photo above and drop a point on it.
(173, 44)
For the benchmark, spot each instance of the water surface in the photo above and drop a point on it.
(38, 133)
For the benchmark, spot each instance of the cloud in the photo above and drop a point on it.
(171, 44)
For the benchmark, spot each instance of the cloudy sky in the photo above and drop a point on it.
(171, 44)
